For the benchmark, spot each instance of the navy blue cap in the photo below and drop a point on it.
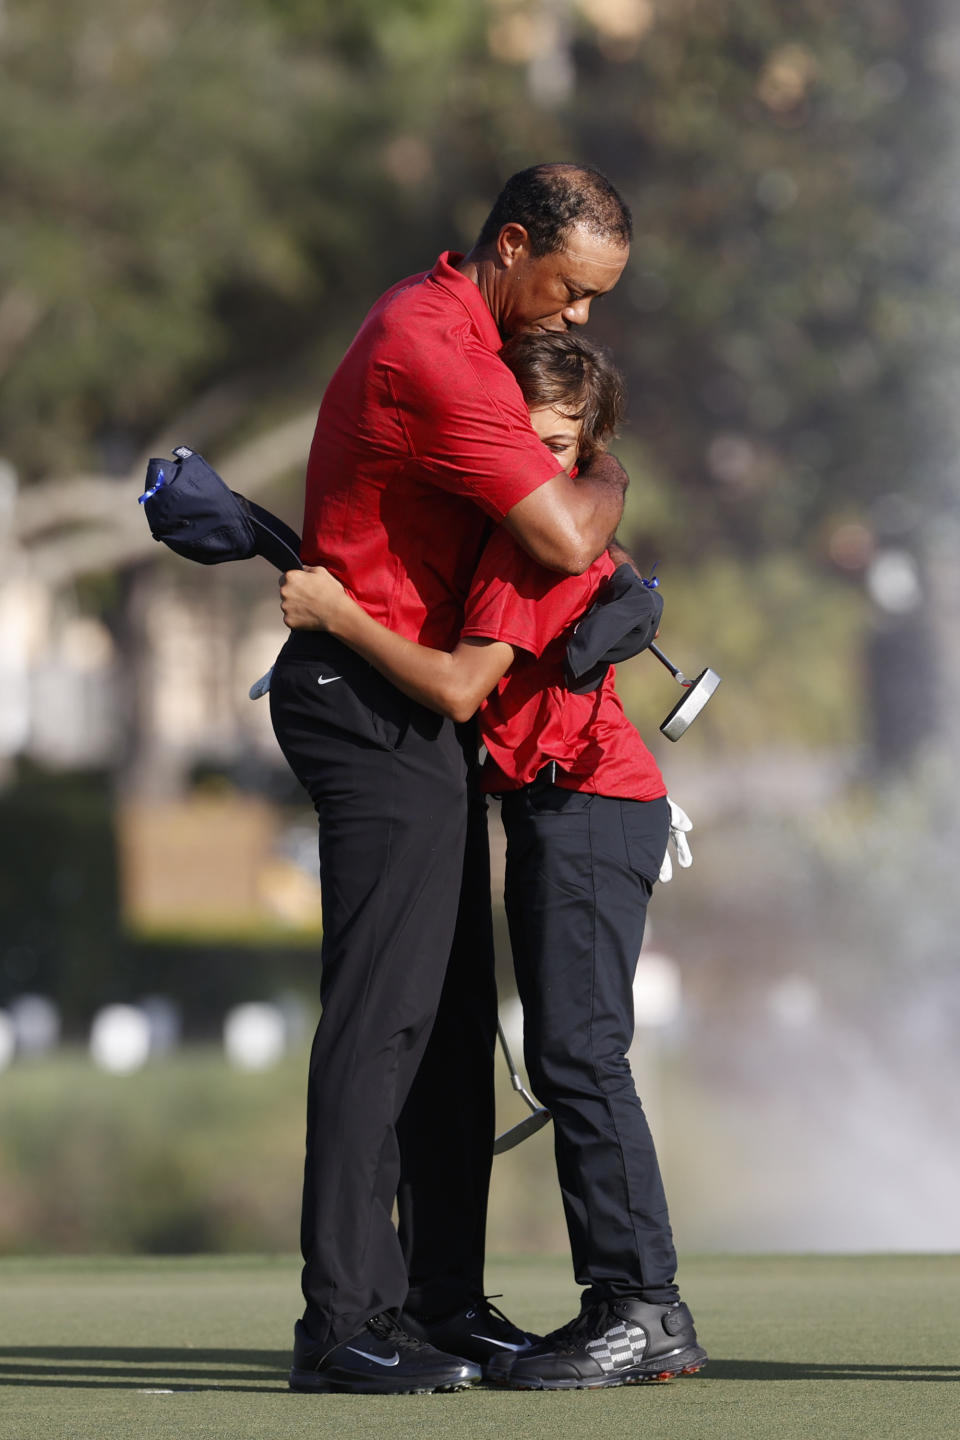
(191, 510)
(620, 623)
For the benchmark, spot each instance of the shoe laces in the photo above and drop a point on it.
(387, 1328)
(492, 1314)
(590, 1324)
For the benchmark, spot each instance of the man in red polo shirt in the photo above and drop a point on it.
(422, 441)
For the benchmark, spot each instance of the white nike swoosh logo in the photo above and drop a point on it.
(327, 680)
(377, 1359)
(504, 1344)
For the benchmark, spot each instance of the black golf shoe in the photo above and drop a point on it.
(480, 1332)
(380, 1359)
(616, 1342)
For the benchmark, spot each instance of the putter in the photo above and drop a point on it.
(685, 711)
(534, 1121)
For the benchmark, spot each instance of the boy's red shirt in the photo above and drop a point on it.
(531, 718)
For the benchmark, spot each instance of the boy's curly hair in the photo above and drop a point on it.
(568, 371)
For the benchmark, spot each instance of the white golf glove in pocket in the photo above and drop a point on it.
(680, 825)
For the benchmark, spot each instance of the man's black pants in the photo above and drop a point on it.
(580, 870)
(398, 1107)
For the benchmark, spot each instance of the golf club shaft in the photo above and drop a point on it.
(515, 1080)
(677, 674)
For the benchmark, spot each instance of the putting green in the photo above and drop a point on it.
(803, 1347)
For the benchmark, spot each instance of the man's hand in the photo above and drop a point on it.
(619, 556)
(311, 598)
(605, 469)
(680, 826)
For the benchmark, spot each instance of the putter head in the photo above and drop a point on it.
(685, 711)
(519, 1133)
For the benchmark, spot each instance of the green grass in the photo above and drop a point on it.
(801, 1348)
(189, 1155)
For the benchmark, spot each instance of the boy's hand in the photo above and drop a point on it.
(310, 598)
(680, 826)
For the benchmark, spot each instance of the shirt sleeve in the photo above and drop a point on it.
(468, 428)
(514, 599)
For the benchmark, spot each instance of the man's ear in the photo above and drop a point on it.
(511, 241)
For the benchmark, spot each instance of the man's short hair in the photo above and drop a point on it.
(548, 200)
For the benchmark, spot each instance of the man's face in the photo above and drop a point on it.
(554, 292)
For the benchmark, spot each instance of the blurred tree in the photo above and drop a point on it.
(789, 169)
(196, 199)
(201, 202)
(782, 164)
(188, 193)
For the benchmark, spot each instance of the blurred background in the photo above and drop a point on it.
(199, 202)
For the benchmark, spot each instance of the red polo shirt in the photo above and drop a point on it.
(422, 435)
(531, 718)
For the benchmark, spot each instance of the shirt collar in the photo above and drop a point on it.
(447, 275)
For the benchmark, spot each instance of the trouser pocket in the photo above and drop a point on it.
(325, 686)
(646, 827)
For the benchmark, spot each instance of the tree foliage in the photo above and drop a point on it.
(198, 193)
(784, 164)
(200, 202)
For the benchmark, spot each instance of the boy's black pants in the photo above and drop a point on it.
(580, 870)
(398, 1107)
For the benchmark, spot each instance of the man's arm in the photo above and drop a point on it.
(451, 682)
(565, 524)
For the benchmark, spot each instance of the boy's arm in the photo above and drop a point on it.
(452, 683)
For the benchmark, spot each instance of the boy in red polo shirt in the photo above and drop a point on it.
(585, 811)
